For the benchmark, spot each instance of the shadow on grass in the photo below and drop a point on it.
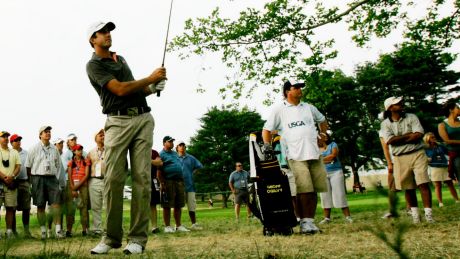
(393, 237)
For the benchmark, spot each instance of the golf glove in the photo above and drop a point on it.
(160, 86)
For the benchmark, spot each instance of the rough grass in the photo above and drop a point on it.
(225, 238)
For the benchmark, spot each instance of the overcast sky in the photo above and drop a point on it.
(45, 50)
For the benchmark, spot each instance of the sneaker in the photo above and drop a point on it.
(181, 228)
(196, 227)
(348, 219)
(101, 248)
(133, 248)
(415, 218)
(308, 228)
(155, 230)
(325, 221)
(60, 235)
(68, 234)
(429, 218)
(441, 205)
(387, 215)
(169, 229)
(44, 236)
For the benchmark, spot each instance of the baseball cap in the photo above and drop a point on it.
(43, 128)
(58, 140)
(71, 136)
(15, 137)
(168, 138)
(97, 133)
(180, 142)
(4, 134)
(96, 26)
(77, 147)
(287, 85)
(391, 101)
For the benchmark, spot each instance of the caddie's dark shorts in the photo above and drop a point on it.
(241, 196)
(45, 189)
(24, 196)
(175, 190)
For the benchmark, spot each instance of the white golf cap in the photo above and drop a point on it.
(391, 101)
(96, 26)
(58, 140)
(180, 142)
(71, 136)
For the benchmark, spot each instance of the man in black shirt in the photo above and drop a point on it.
(129, 127)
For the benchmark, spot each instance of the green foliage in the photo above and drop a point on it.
(279, 41)
(221, 141)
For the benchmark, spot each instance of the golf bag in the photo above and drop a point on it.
(269, 196)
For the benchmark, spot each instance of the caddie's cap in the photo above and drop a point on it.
(43, 128)
(168, 138)
(391, 101)
(180, 142)
(15, 137)
(4, 134)
(96, 26)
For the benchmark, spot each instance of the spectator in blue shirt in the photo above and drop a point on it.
(171, 186)
(437, 165)
(189, 166)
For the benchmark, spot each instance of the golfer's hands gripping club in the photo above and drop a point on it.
(158, 79)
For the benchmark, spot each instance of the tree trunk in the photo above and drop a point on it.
(224, 200)
(356, 183)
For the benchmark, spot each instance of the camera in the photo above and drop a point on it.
(6, 163)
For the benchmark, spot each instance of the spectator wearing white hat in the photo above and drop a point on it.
(23, 187)
(9, 169)
(43, 164)
(96, 181)
(404, 133)
(129, 127)
(190, 165)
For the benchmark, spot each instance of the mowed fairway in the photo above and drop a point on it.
(222, 237)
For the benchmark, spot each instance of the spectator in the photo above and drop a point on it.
(128, 127)
(298, 122)
(335, 196)
(403, 132)
(449, 130)
(172, 183)
(189, 166)
(78, 171)
(43, 164)
(59, 144)
(96, 182)
(155, 194)
(238, 183)
(68, 201)
(9, 169)
(438, 167)
(23, 187)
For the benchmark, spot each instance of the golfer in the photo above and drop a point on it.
(129, 127)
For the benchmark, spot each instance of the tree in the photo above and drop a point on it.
(279, 41)
(221, 141)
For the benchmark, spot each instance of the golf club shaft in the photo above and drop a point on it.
(166, 40)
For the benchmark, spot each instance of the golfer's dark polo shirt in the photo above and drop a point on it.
(100, 71)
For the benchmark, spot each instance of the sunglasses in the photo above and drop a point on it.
(239, 165)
